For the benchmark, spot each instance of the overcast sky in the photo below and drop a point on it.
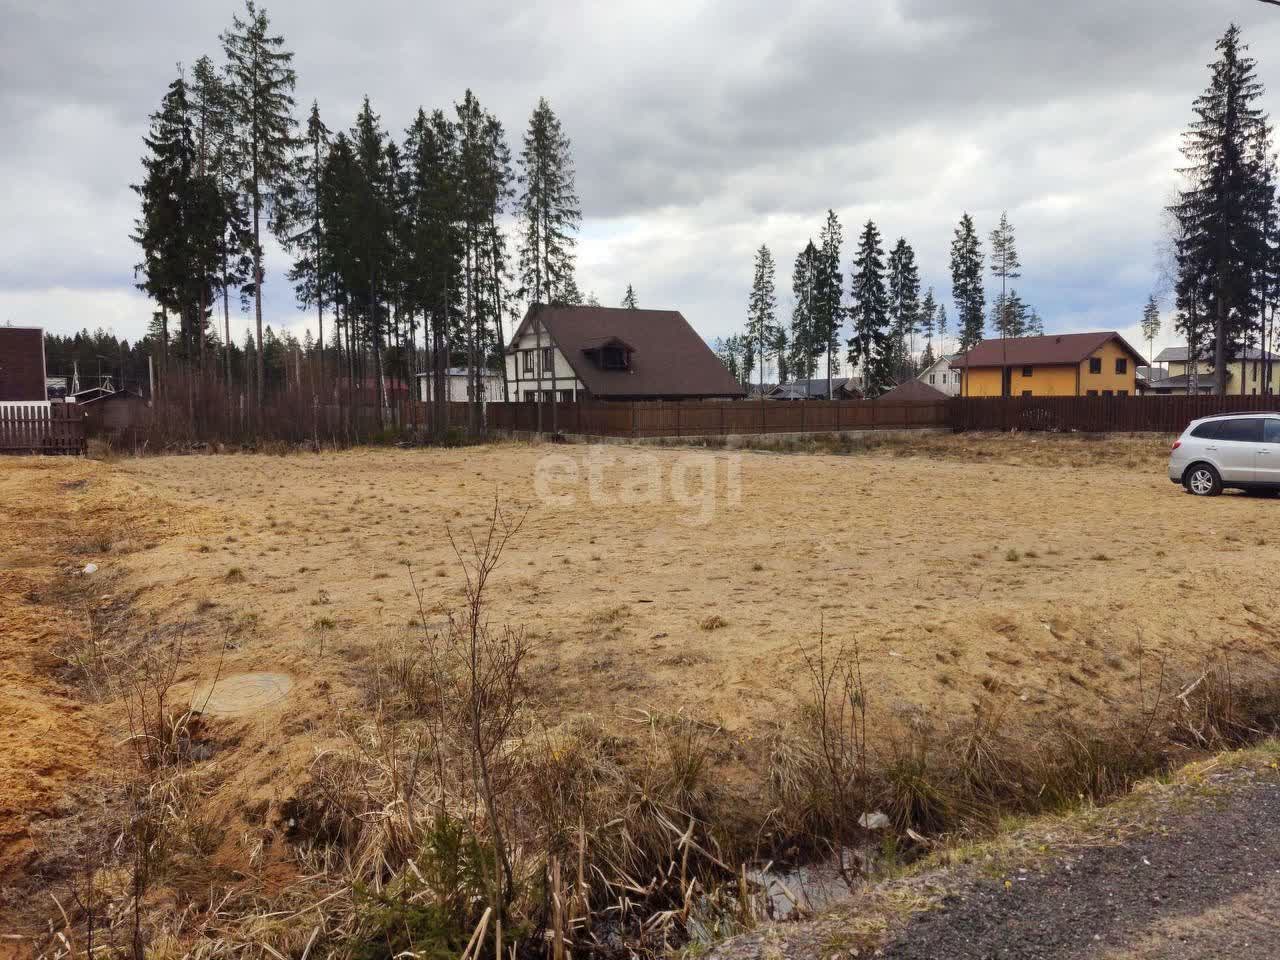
(700, 130)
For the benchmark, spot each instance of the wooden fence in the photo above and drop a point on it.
(54, 429)
(716, 418)
(1156, 414)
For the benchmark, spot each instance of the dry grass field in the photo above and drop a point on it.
(1050, 574)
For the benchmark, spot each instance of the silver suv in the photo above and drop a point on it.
(1236, 450)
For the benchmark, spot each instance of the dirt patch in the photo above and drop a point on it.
(57, 514)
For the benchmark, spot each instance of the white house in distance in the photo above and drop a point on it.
(940, 376)
(458, 386)
(609, 353)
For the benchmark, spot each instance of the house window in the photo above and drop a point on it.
(1122, 365)
(1027, 371)
(548, 360)
(1095, 364)
(528, 360)
(1106, 393)
(613, 358)
(933, 377)
(566, 396)
(1026, 393)
(1122, 393)
(530, 396)
(1091, 393)
(1255, 373)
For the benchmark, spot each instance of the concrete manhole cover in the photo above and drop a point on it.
(242, 693)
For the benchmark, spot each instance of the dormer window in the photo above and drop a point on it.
(611, 354)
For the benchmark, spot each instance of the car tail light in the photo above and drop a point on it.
(1177, 444)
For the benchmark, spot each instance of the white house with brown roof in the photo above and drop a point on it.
(607, 353)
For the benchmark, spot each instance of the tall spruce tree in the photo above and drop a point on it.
(966, 283)
(435, 243)
(180, 225)
(260, 83)
(904, 309)
(869, 347)
(1222, 213)
(629, 298)
(1151, 323)
(762, 316)
(1008, 318)
(306, 231)
(827, 315)
(804, 348)
(928, 314)
(549, 216)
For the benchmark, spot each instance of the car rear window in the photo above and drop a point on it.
(1207, 431)
(1245, 430)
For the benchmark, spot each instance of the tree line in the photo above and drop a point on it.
(401, 245)
(883, 310)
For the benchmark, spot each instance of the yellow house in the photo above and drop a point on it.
(1057, 365)
(1245, 376)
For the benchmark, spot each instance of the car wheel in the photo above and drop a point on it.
(1202, 480)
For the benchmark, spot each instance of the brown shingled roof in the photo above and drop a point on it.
(1052, 349)
(912, 390)
(669, 359)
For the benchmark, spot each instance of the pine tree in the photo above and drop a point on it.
(1033, 324)
(306, 231)
(570, 295)
(827, 314)
(483, 171)
(180, 226)
(904, 309)
(370, 239)
(927, 358)
(260, 86)
(1222, 248)
(870, 345)
(629, 298)
(220, 159)
(966, 282)
(1151, 323)
(434, 239)
(928, 313)
(940, 324)
(804, 348)
(1008, 316)
(762, 318)
(549, 213)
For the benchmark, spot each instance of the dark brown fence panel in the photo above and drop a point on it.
(55, 429)
(1153, 414)
(651, 419)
